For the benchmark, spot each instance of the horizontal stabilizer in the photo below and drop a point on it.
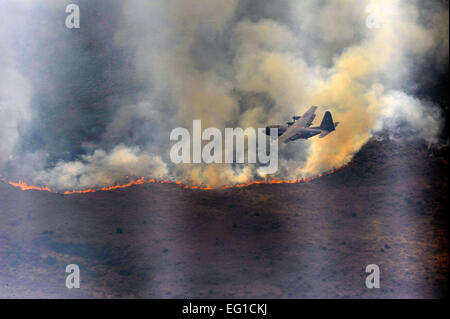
(323, 134)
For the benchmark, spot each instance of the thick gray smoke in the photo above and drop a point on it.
(84, 108)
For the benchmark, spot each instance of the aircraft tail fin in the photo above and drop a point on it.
(327, 122)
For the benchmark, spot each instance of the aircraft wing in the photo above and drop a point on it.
(302, 123)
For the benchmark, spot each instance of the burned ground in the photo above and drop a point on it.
(306, 240)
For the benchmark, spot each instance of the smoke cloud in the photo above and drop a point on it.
(86, 107)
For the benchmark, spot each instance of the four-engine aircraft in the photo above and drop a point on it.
(300, 127)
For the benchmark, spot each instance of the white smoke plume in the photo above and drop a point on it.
(15, 90)
(240, 63)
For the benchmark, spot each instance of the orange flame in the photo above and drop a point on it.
(24, 186)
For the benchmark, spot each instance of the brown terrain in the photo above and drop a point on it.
(308, 240)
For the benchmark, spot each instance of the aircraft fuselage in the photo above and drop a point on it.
(305, 133)
(300, 127)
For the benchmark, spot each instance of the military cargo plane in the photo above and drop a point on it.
(300, 127)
